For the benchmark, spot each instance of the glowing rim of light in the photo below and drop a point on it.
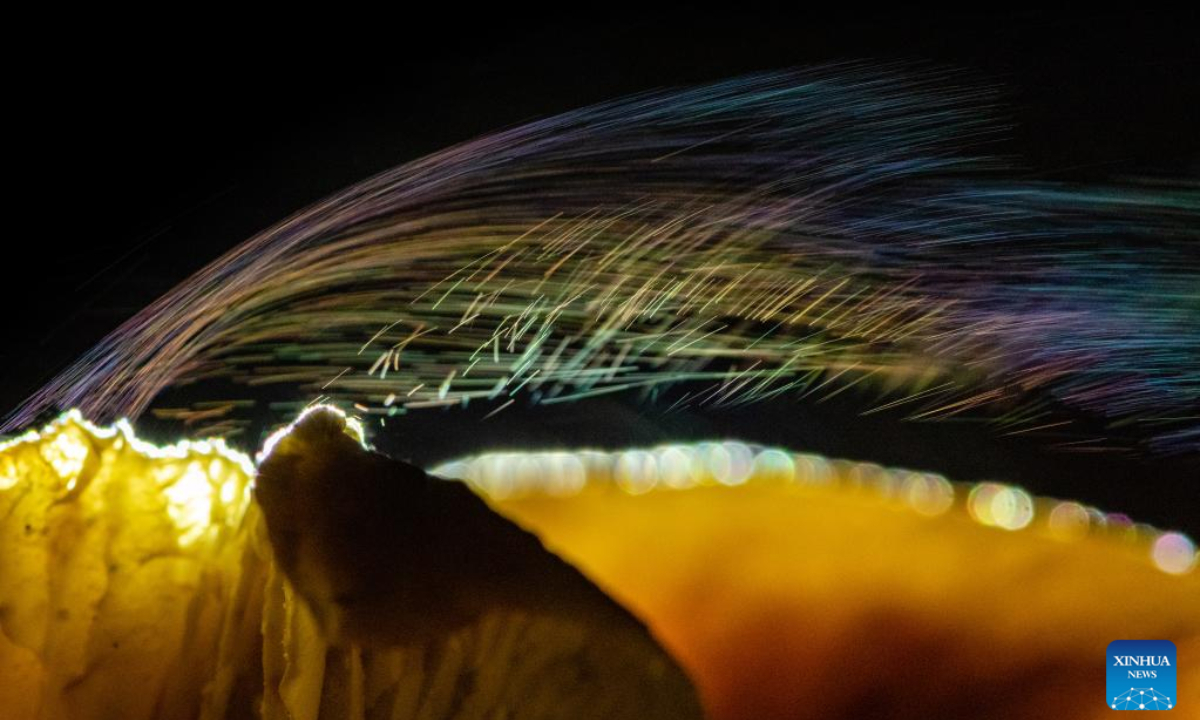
(1040, 512)
(218, 447)
(180, 450)
(354, 426)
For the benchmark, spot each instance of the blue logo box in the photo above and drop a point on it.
(1141, 675)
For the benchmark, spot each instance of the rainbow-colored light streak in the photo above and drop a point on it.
(787, 235)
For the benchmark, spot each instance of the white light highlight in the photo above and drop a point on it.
(1174, 553)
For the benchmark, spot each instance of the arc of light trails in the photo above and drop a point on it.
(791, 234)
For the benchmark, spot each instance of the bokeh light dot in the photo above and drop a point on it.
(1174, 553)
(927, 493)
(774, 466)
(1012, 508)
(1069, 521)
(636, 472)
(741, 463)
(675, 467)
(718, 463)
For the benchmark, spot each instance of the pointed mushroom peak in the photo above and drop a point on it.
(317, 425)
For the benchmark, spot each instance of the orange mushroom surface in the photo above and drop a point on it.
(139, 582)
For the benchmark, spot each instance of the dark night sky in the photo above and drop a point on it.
(139, 160)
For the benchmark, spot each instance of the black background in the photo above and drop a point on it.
(137, 156)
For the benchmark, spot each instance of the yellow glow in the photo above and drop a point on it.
(9, 474)
(148, 591)
(190, 502)
(66, 453)
(769, 592)
(116, 560)
(505, 476)
(229, 491)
